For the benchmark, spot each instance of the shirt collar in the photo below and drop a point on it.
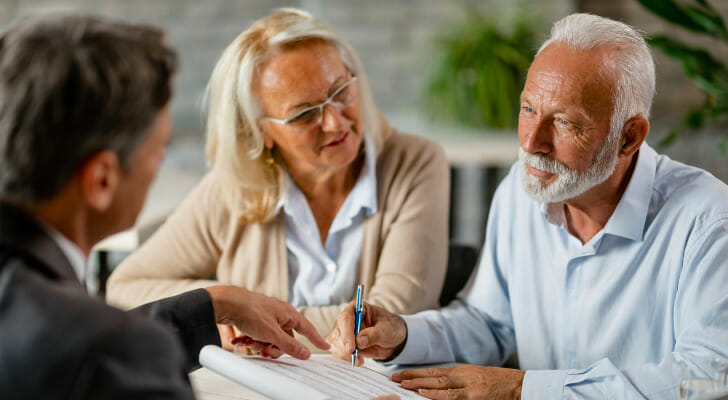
(628, 219)
(362, 197)
(71, 251)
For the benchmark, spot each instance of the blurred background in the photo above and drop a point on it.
(449, 70)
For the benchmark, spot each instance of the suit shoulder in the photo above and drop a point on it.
(62, 307)
(56, 338)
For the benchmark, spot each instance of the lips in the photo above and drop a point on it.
(537, 172)
(339, 140)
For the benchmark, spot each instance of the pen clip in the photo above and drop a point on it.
(359, 303)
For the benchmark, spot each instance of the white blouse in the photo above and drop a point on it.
(322, 275)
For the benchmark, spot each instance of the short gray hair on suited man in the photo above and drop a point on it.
(71, 86)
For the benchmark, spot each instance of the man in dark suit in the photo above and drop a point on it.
(84, 121)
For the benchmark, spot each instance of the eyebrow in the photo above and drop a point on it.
(308, 103)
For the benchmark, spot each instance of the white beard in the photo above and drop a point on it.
(569, 183)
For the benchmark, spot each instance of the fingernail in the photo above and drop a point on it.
(348, 346)
(363, 341)
(305, 353)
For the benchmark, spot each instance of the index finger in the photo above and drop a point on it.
(305, 328)
(289, 345)
(347, 320)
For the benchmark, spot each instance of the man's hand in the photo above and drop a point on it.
(268, 323)
(383, 334)
(463, 382)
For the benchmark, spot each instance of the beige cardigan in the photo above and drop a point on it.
(403, 255)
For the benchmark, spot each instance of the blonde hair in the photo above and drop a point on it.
(234, 141)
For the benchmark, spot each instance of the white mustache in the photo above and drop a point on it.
(542, 163)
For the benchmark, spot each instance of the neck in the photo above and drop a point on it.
(328, 183)
(588, 213)
(325, 193)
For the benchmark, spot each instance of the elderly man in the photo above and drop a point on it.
(605, 264)
(84, 122)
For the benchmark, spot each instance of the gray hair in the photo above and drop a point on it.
(71, 86)
(633, 68)
(234, 141)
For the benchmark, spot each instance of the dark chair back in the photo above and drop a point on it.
(461, 261)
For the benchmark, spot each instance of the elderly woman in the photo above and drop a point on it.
(310, 191)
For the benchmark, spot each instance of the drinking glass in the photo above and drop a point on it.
(693, 387)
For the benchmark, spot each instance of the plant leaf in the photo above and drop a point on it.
(668, 140)
(709, 74)
(693, 121)
(723, 145)
(701, 18)
(479, 71)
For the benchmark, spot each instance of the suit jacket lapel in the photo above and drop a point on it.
(23, 235)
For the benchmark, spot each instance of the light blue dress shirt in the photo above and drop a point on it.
(617, 317)
(321, 275)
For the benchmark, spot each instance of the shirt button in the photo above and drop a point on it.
(331, 267)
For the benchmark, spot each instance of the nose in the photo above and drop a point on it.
(535, 137)
(331, 120)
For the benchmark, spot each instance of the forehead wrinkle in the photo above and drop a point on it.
(302, 75)
(565, 79)
(550, 91)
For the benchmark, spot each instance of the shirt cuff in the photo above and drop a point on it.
(418, 339)
(546, 384)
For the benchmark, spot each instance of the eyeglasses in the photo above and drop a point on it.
(309, 117)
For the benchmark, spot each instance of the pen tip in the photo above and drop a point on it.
(353, 361)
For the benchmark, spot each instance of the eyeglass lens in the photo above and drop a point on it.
(312, 116)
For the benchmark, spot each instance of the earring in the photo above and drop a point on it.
(269, 159)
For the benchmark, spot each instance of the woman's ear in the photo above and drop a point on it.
(634, 133)
(267, 139)
(99, 177)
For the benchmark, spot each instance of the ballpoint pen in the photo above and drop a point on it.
(357, 324)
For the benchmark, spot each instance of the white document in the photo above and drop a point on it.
(318, 378)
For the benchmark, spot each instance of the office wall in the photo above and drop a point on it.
(393, 37)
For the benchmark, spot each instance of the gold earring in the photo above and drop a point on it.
(270, 160)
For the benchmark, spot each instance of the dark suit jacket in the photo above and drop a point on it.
(58, 343)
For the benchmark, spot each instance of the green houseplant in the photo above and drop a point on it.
(479, 71)
(709, 74)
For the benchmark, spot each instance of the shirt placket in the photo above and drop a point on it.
(571, 296)
(578, 256)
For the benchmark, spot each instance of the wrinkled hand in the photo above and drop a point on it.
(382, 335)
(267, 322)
(463, 382)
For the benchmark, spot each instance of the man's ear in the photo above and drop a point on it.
(634, 133)
(99, 177)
